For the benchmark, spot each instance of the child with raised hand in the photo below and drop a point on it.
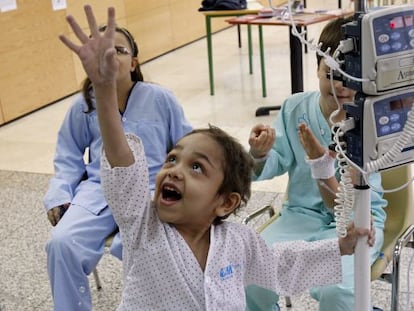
(179, 253)
(74, 201)
(298, 145)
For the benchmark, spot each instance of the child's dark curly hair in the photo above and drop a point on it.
(237, 165)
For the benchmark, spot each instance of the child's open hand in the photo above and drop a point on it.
(348, 243)
(310, 144)
(97, 51)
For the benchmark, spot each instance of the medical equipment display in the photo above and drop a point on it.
(383, 54)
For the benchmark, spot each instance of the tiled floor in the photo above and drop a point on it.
(27, 145)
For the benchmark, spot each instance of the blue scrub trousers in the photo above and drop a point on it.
(76, 245)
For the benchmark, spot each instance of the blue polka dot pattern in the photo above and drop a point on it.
(160, 272)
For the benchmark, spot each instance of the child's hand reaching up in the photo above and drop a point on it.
(348, 243)
(97, 51)
(99, 59)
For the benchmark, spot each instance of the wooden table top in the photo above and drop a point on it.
(301, 19)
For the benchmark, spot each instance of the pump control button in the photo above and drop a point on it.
(396, 127)
(385, 130)
(395, 35)
(383, 120)
(383, 38)
(396, 46)
(394, 117)
(385, 48)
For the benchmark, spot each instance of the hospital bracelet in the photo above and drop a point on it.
(323, 167)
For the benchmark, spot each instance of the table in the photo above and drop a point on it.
(296, 65)
(253, 8)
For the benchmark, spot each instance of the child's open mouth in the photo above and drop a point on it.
(170, 193)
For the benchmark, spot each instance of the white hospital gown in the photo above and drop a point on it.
(160, 272)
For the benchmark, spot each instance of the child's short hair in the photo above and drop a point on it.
(331, 35)
(237, 164)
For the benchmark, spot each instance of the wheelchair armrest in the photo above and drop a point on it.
(259, 212)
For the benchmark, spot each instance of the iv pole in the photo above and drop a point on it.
(362, 267)
(362, 219)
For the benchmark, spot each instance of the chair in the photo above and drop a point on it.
(398, 232)
(399, 229)
(108, 243)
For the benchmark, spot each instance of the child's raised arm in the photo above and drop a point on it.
(98, 56)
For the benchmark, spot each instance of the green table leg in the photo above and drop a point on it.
(239, 36)
(249, 39)
(262, 62)
(210, 54)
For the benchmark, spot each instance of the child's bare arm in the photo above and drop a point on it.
(98, 56)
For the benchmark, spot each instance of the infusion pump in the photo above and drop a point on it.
(379, 123)
(383, 53)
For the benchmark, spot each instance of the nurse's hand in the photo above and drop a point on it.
(55, 214)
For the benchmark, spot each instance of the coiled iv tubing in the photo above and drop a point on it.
(344, 201)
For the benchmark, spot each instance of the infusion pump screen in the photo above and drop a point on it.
(401, 21)
(394, 33)
(391, 114)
